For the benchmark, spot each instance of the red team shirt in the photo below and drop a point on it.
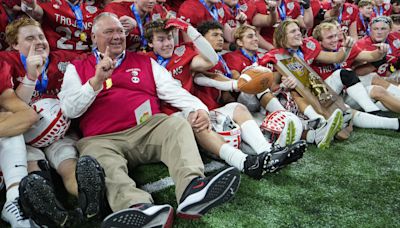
(384, 10)
(209, 95)
(291, 7)
(310, 49)
(3, 23)
(366, 44)
(237, 61)
(124, 8)
(348, 16)
(247, 7)
(5, 79)
(179, 67)
(59, 25)
(55, 71)
(325, 70)
(201, 14)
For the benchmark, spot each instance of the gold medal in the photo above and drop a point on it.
(392, 69)
(108, 83)
(83, 36)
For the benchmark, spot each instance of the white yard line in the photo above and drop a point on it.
(167, 182)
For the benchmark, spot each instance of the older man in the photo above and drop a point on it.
(117, 96)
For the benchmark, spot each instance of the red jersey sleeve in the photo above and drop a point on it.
(5, 78)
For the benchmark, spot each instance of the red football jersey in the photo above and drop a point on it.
(3, 23)
(393, 40)
(237, 61)
(243, 6)
(348, 14)
(58, 61)
(289, 9)
(310, 50)
(362, 26)
(5, 79)
(161, 11)
(186, 12)
(60, 26)
(209, 95)
(384, 10)
(125, 8)
(325, 70)
(179, 67)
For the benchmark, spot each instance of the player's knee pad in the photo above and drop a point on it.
(349, 77)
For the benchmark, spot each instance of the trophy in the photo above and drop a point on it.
(312, 88)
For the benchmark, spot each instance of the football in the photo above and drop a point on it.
(52, 124)
(255, 80)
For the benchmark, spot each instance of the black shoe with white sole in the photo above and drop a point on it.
(142, 215)
(91, 186)
(255, 165)
(203, 194)
(38, 201)
(283, 156)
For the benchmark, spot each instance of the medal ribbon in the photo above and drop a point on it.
(78, 15)
(253, 58)
(163, 61)
(43, 81)
(213, 11)
(366, 27)
(143, 41)
(228, 72)
(120, 58)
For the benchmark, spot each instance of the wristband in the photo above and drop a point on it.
(28, 82)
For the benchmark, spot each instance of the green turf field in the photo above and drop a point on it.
(354, 183)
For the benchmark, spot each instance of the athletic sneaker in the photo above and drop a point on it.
(255, 165)
(12, 214)
(283, 156)
(38, 201)
(203, 194)
(142, 215)
(288, 134)
(91, 186)
(324, 135)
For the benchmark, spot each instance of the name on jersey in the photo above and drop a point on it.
(326, 69)
(63, 20)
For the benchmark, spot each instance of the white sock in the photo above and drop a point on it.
(251, 134)
(13, 159)
(274, 105)
(12, 193)
(394, 90)
(232, 156)
(312, 114)
(381, 106)
(366, 120)
(360, 95)
(310, 137)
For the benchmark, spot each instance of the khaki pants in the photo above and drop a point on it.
(161, 138)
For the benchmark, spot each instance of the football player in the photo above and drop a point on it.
(38, 73)
(67, 24)
(16, 117)
(253, 165)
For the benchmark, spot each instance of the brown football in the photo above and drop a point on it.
(255, 80)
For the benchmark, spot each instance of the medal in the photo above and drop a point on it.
(83, 36)
(108, 83)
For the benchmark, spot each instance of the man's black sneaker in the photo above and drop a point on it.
(203, 194)
(142, 215)
(282, 156)
(38, 201)
(91, 186)
(256, 165)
